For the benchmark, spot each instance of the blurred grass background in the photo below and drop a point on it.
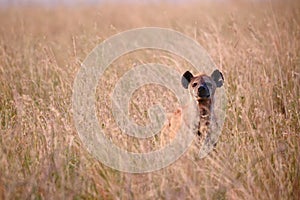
(255, 44)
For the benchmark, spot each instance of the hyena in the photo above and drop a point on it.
(202, 89)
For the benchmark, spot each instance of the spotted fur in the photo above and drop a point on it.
(202, 88)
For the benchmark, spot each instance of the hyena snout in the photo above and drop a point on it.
(203, 91)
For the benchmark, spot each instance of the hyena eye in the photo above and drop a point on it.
(208, 84)
(194, 84)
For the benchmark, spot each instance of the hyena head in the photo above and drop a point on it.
(202, 87)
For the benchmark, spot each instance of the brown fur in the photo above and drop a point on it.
(205, 101)
(205, 104)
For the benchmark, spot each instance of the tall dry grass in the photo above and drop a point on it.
(256, 46)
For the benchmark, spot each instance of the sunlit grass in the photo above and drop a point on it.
(255, 45)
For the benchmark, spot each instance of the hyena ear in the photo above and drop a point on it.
(217, 76)
(186, 79)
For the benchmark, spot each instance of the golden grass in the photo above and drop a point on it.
(255, 45)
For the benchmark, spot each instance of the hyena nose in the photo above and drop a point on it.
(203, 92)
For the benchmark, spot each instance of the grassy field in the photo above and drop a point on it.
(255, 45)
